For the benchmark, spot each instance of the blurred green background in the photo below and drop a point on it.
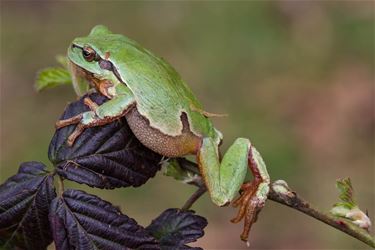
(295, 77)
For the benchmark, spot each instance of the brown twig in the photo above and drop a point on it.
(194, 197)
(290, 198)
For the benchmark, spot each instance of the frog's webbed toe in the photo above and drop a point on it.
(253, 194)
(83, 121)
(249, 207)
(76, 133)
(70, 121)
(91, 104)
(77, 118)
(66, 122)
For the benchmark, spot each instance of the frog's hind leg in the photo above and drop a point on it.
(253, 194)
(224, 179)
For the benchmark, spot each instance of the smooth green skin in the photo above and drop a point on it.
(161, 96)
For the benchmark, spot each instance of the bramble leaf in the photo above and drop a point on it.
(24, 207)
(174, 228)
(105, 156)
(52, 77)
(173, 169)
(83, 221)
(346, 192)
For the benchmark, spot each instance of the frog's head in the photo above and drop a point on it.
(114, 57)
(90, 56)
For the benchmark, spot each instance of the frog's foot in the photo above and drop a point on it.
(253, 195)
(249, 207)
(83, 120)
(88, 119)
(99, 115)
(77, 118)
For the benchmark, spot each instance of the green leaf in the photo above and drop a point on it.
(346, 192)
(55, 76)
(347, 208)
(173, 169)
(52, 77)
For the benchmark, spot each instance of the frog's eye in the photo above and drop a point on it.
(89, 54)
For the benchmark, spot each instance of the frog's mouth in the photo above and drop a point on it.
(102, 86)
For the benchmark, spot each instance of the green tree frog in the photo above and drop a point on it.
(165, 116)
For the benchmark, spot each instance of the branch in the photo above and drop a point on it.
(281, 193)
(194, 197)
(290, 198)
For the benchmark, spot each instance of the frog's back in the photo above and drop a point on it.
(161, 95)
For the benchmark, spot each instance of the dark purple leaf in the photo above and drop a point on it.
(83, 221)
(105, 156)
(24, 205)
(174, 228)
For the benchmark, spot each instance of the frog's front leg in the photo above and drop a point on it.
(224, 179)
(99, 114)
